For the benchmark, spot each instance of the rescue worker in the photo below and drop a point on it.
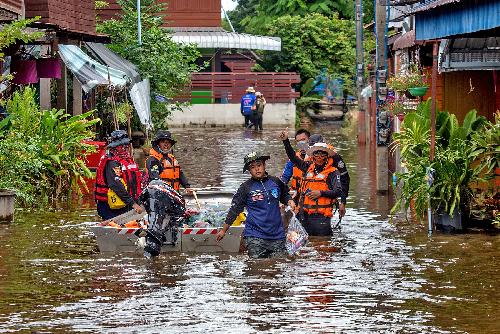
(118, 179)
(163, 165)
(247, 105)
(292, 172)
(319, 188)
(338, 163)
(264, 232)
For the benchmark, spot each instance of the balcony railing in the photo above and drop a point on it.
(222, 87)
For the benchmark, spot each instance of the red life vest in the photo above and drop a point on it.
(130, 171)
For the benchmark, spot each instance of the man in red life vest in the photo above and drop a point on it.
(117, 172)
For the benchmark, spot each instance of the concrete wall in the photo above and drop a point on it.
(228, 115)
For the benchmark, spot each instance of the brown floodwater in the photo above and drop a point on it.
(375, 276)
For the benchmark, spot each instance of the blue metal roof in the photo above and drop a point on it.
(463, 18)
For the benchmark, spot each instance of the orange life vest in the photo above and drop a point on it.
(312, 181)
(171, 173)
(297, 175)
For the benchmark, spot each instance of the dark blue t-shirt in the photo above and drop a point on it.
(262, 199)
(247, 101)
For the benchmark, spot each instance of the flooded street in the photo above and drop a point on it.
(373, 277)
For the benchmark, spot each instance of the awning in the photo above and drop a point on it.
(116, 71)
(111, 59)
(449, 18)
(218, 38)
(88, 71)
(466, 54)
(405, 41)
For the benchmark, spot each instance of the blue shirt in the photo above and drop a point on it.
(247, 101)
(287, 172)
(262, 199)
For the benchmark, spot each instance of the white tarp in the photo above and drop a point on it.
(91, 73)
(88, 71)
(141, 98)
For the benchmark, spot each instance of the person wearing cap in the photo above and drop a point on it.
(247, 105)
(163, 165)
(260, 104)
(262, 194)
(117, 174)
(292, 172)
(320, 186)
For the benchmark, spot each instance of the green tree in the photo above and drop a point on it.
(167, 64)
(254, 15)
(311, 43)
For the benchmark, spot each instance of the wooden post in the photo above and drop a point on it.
(45, 99)
(77, 97)
(435, 49)
(62, 89)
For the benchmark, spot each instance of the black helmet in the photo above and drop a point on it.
(315, 138)
(251, 157)
(118, 137)
(163, 134)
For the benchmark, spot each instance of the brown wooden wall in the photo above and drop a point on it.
(467, 90)
(180, 13)
(72, 15)
(14, 6)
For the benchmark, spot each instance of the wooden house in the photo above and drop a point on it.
(230, 54)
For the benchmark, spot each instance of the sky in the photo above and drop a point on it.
(228, 4)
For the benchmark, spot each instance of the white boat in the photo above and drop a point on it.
(131, 239)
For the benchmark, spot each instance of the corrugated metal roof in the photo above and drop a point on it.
(431, 4)
(218, 38)
(458, 19)
(405, 41)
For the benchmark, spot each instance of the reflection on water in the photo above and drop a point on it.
(372, 277)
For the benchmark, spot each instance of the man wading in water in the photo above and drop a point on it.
(264, 232)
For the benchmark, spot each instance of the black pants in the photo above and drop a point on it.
(247, 120)
(258, 121)
(317, 224)
(105, 212)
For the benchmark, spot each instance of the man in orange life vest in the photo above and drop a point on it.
(162, 164)
(320, 186)
(117, 172)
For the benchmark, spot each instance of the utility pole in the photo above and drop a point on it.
(383, 119)
(139, 27)
(360, 73)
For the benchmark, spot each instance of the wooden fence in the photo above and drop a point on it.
(221, 87)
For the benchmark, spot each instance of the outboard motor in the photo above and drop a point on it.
(165, 208)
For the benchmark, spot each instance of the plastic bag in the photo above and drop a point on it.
(296, 236)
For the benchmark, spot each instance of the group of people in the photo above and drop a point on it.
(319, 178)
(119, 180)
(318, 174)
(252, 108)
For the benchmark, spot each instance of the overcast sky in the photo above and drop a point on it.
(229, 4)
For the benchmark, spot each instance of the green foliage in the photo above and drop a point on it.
(41, 155)
(314, 42)
(264, 12)
(462, 154)
(167, 64)
(15, 31)
(306, 102)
